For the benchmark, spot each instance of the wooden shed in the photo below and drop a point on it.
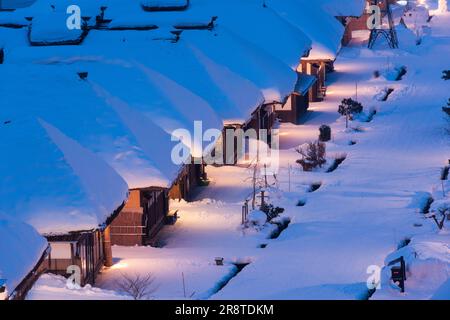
(90, 250)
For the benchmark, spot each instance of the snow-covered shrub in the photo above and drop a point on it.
(349, 108)
(271, 211)
(446, 74)
(325, 133)
(257, 218)
(440, 211)
(313, 155)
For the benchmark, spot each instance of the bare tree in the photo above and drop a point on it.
(258, 182)
(138, 286)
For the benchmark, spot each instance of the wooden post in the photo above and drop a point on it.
(107, 247)
(246, 210)
(443, 188)
(265, 175)
(346, 118)
(184, 285)
(289, 175)
(262, 198)
(254, 187)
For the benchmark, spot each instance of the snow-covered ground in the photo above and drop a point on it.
(359, 217)
(370, 203)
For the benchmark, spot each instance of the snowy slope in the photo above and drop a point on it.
(370, 204)
(54, 287)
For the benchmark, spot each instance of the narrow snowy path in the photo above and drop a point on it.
(207, 228)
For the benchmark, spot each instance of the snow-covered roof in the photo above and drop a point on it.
(21, 248)
(164, 5)
(265, 29)
(304, 83)
(15, 4)
(51, 28)
(271, 76)
(168, 88)
(340, 8)
(49, 180)
(102, 120)
(326, 36)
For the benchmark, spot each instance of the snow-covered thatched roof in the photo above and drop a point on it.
(259, 25)
(106, 120)
(15, 4)
(49, 181)
(51, 28)
(340, 8)
(164, 5)
(21, 248)
(326, 36)
(274, 79)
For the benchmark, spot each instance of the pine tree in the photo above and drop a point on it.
(349, 107)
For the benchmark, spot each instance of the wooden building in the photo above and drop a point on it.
(146, 210)
(189, 178)
(298, 102)
(317, 68)
(141, 218)
(83, 249)
(90, 250)
(355, 25)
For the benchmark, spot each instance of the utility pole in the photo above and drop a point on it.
(389, 33)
